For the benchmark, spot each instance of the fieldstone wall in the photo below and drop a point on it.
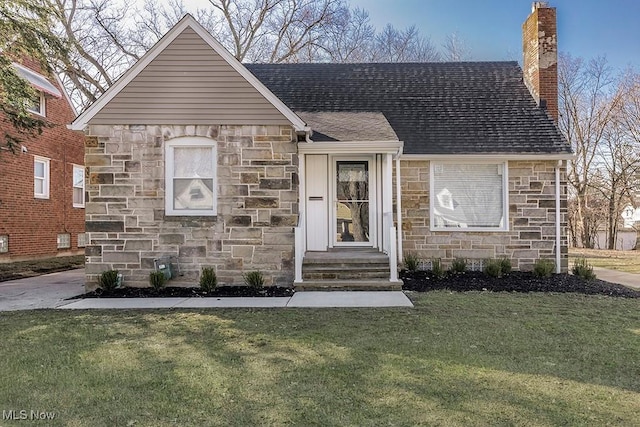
(531, 234)
(257, 205)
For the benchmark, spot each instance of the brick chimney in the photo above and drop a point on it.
(540, 56)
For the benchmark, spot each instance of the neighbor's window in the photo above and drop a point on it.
(470, 196)
(4, 244)
(64, 241)
(190, 171)
(41, 177)
(38, 105)
(82, 240)
(78, 186)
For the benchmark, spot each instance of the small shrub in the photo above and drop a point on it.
(208, 279)
(505, 265)
(493, 268)
(543, 268)
(581, 268)
(254, 279)
(108, 280)
(411, 262)
(436, 268)
(459, 265)
(157, 280)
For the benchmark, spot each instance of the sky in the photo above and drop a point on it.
(492, 29)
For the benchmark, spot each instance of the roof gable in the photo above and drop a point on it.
(188, 78)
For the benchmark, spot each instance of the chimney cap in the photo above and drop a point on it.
(539, 5)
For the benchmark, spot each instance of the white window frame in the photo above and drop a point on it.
(42, 111)
(505, 196)
(4, 244)
(73, 186)
(186, 142)
(63, 240)
(82, 240)
(46, 179)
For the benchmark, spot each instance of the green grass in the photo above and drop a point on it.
(628, 261)
(21, 269)
(456, 359)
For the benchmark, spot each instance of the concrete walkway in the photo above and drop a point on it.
(52, 291)
(630, 280)
(298, 300)
(46, 291)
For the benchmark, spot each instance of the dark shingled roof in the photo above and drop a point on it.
(435, 108)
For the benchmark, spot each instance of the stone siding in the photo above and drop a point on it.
(257, 205)
(531, 234)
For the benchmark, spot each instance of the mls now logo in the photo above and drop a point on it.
(23, 414)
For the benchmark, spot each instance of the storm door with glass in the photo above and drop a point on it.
(352, 203)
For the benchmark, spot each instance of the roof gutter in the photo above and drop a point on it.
(491, 156)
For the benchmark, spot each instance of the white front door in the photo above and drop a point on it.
(317, 203)
(353, 212)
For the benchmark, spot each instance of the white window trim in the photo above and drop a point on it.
(73, 187)
(47, 177)
(43, 106)
(169, 167)
(505, 197)
(4, 247)
(66, 244)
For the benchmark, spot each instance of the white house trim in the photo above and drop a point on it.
(187, 22)
(351, 147)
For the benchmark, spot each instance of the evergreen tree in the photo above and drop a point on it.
(25, 32)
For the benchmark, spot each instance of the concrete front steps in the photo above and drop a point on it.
(346, 269)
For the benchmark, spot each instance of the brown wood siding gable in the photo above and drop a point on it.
(189, 83)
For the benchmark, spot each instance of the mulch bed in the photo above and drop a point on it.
(418, 281)
(516, 281)
(184, 292)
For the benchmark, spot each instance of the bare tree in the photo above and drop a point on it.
(615, 174)
(99, 46)
(455, 48)
(393, 45)
(588, 101)
(631, 123)
(351, 40)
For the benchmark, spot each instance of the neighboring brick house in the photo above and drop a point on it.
(42, 183)
(323, 174)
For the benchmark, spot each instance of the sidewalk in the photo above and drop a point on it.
(298, 300)
(46, 291)
(630, 280)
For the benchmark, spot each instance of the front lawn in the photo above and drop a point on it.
(628, 261)
(476, 358)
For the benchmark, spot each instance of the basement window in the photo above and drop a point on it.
(64, 241)
(4, 244)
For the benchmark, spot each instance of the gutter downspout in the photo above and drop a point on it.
(558, 242)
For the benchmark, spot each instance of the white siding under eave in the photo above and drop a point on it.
(189, 83)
